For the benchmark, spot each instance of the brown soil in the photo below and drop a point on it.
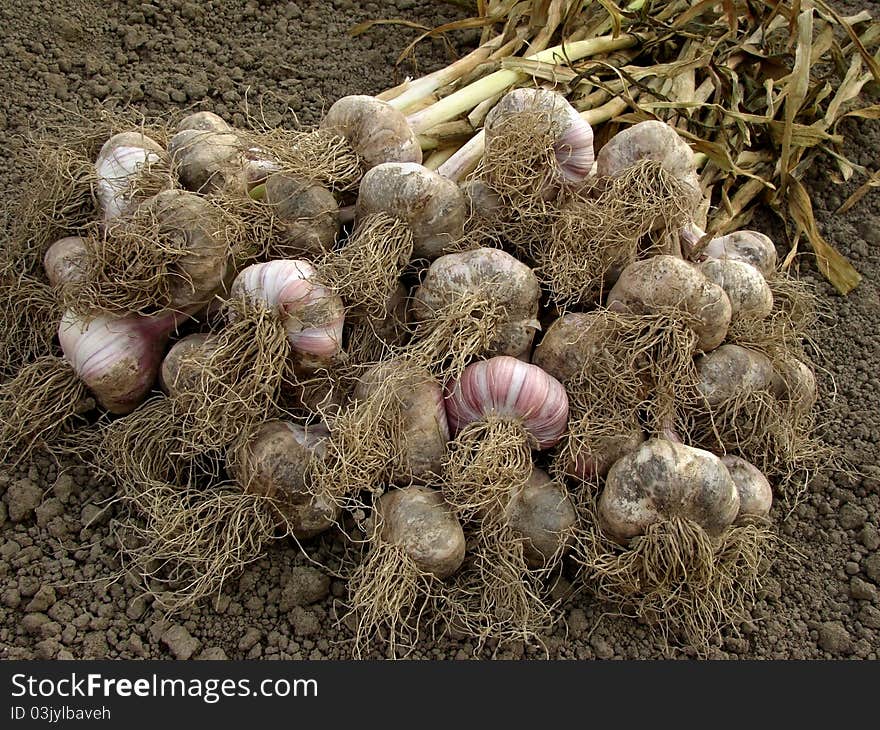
(57, 552)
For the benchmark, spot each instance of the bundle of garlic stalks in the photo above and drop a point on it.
(757, 89)
(480, 360)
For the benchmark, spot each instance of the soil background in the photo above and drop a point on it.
(60, 58)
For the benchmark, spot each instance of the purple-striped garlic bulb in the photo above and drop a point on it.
(65, 261)
(664, 480)
(311, 313)
(121, 160)
(375, 130)
(118, 359)
(483, 281)
(504, 388)
(572, 135)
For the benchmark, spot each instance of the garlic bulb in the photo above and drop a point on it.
(794, 383)
(668, 283)
(750, 246)
(122, 158)
(541, 512)
(376, 130)
(275, 464)
(204, 122)
(308, 214)
(196, 276)
(118, 359)
(209, 161)
(433, 207)
(732, 371)
(587, 464)
(572, 342)
(509, 389)
(418, 521)
(65, 261)
(755, 492)
(662, 480)
(572, 135)
(746, 288)
(312, 314)
(493, 276)
(179, 373)
(258, 165)
(417, 401)
(649, 140)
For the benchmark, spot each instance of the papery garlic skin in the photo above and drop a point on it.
(313, 316)
(573, 135)
(275, 464)
(376, 130)
(662, 480)
(118, 359)
(495, 274)
(755, 492)
(506, 388)
(121, 159)
(433, 207)
(65, 261)
(750, 246)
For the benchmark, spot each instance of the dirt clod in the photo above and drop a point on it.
(43, 599)
(302, 587)
(834, 638)
(22, 498)
(179, 642)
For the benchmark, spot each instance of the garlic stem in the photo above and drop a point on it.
(607, 111)
(467, 98)
(427, 85)
(438, 157)
(464, 161)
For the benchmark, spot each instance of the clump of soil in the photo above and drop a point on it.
(63, 593)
